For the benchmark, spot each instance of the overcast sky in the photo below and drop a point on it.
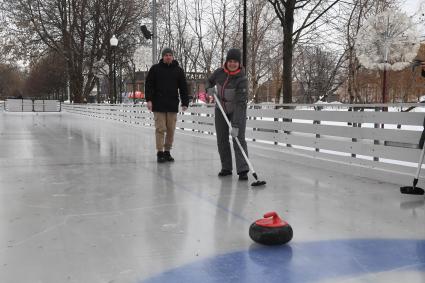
(411, 6)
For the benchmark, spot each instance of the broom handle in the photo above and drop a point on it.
(421, 159)
(236, 138)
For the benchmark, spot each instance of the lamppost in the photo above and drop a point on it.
(155, 37)
(120, 93)
(134, 83)
(244, 36)
(114, 43)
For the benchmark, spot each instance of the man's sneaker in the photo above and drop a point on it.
(224, 172)
(167, 156)
(243, 176)
(160, 157)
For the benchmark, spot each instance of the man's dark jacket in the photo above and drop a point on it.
(164, 84)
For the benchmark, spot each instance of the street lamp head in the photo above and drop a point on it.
(146, 33)
(113, 41)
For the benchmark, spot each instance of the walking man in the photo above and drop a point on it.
(165, 87)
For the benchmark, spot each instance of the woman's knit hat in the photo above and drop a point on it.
(234, 54)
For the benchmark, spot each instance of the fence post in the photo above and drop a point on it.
(287, 120)
(354, 126)
(317, 122)
(376, 126)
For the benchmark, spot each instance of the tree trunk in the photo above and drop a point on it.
(351, 67)
(255, 90)
(76, 87)
(288, 50)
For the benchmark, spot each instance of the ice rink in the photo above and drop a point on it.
(83, 200)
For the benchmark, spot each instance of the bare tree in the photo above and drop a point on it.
(225, 23)
(174, 31)
(205, 41)
(78, 30)
(11, 81)
(47, 77)
(286, 11)
(262, 41)
(317, 70)
(200, 33)
(357, 12)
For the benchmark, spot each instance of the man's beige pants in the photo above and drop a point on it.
(165, 126)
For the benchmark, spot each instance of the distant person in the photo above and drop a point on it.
(232, 92)
(165, 83)
(202, 96)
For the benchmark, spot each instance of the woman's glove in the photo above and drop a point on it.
(210, 90)
(234, 132)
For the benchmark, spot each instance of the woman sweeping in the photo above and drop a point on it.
(232, 88)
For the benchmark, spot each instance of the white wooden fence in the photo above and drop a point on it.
(28, 105)
(363, 140)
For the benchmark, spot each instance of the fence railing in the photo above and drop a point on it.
(379, 141)
(29, 105)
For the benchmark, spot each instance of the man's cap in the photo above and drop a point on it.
(166, 50)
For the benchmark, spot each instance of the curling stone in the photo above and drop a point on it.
(271, 230)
